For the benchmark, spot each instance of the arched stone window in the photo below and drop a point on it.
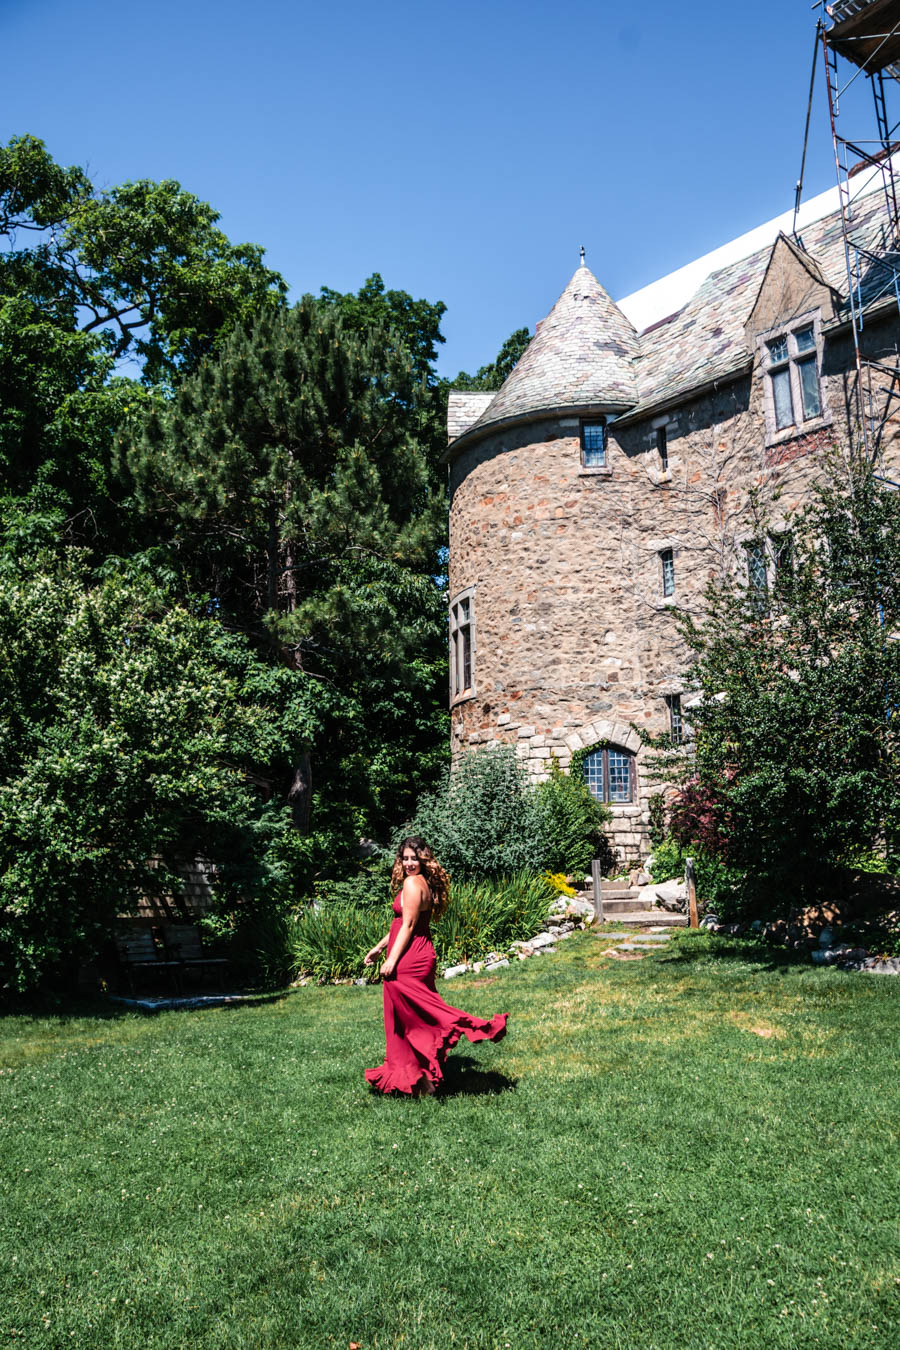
(609, 774)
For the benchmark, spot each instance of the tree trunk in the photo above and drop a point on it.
(300, 793)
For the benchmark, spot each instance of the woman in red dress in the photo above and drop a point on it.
(419, 1027)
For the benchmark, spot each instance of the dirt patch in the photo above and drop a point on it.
(746, 1022)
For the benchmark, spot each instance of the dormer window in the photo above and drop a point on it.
(791, 362)
(593, 445)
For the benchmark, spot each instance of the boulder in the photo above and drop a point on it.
(671, 895)
(452, 971)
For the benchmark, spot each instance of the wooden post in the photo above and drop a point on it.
(691, 881)
(598, 890)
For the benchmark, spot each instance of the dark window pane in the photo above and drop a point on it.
(668, 572)
(466, 637)
(662, 447)
(594, 444)
(619, 776)
(809, 387)
(593, 774)
(783, 552)
(757, 574)
(463, 611)
(778, 349)
(805, 339)
(781, 391)
(676, 722)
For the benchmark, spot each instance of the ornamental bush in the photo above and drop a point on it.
(795, 760)
(485, 819)
(573, 822)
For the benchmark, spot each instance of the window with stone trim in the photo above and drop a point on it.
(593, 445)
(609, 774)
(757, 574)
(792, 361)
(462, 644)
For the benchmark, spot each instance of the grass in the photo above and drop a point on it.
(699, 1149)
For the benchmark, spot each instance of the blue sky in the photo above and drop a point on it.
(464, 150)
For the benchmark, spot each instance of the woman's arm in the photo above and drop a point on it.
(411, 898)
(372, 956)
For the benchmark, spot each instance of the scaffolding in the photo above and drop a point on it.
(862, 37)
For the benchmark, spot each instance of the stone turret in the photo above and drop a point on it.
(541, 617)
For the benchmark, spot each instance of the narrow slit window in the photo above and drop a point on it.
(662, 448)
(667, 562)
(676, 720)
(758, 573)
(461, 646)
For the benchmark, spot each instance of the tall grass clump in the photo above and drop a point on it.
(485, 916)
(330, 941)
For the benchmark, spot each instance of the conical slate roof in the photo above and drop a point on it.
(581, 356)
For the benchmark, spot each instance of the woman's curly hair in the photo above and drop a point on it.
(434, 874)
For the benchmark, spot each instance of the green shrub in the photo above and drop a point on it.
(717, 885)
(132, 731)
(485, 820)
(573, 822)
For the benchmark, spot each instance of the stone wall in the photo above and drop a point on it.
(574, 641)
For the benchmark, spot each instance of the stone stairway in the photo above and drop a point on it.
(622, 904)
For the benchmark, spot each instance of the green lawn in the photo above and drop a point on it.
(699, 1149)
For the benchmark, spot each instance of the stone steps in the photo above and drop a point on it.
(643, 917)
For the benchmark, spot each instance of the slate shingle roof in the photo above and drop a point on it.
(581, 355)
(705, 340)
(587, 353)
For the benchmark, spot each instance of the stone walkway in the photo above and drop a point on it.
(164, 1003)
(637, 945)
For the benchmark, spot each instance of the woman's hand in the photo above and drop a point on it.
(387, 968)
(372, 956)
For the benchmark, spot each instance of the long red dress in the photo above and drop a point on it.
(419, 1027)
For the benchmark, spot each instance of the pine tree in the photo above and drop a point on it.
(289, 478)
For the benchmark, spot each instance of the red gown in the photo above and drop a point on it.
(419, 1027)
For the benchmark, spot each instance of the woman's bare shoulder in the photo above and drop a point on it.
(417, 888)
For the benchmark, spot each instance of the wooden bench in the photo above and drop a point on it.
(139, 954)
(185, 945)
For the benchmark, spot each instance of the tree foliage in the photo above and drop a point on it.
(288, 479)
(797, 749)
(138, 273)
(142, 263)
(135, 734)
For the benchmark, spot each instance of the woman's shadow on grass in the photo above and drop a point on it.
(464, 1078)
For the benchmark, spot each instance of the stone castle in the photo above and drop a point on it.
(614, 474)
